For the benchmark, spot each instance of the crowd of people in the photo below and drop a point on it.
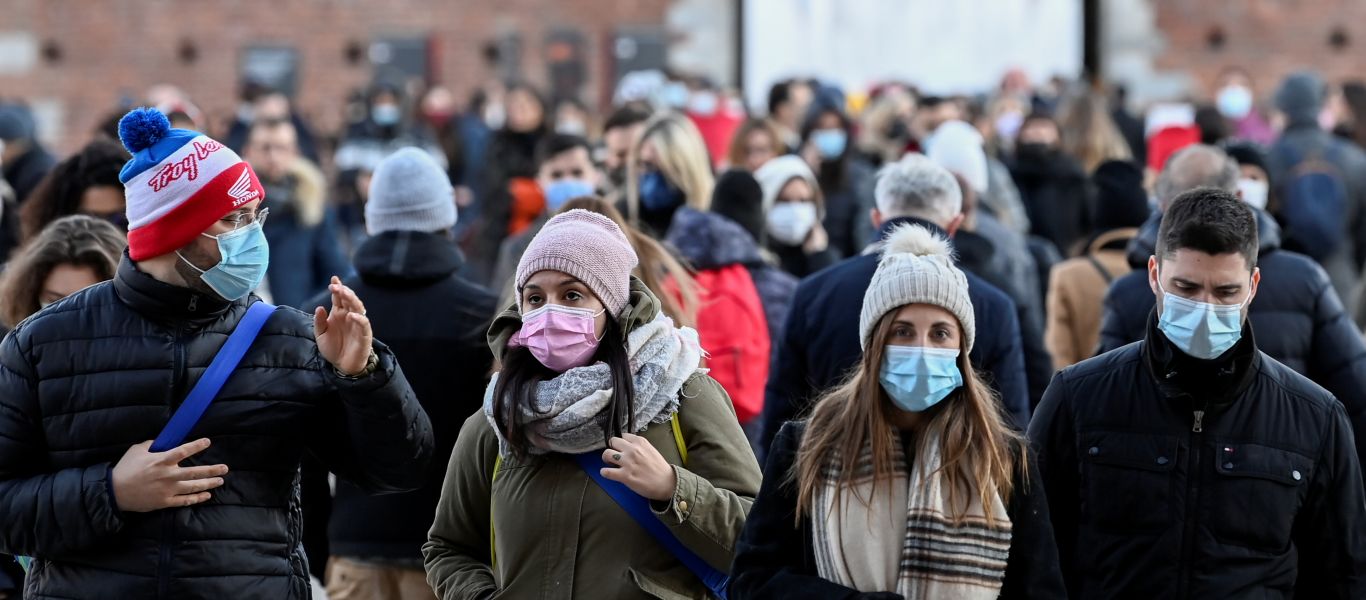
(1030, 343)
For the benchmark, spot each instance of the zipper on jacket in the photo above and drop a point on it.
(1194, 475)
(179, 376)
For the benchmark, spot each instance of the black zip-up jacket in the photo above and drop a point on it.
(1172, 477)
(103, 369)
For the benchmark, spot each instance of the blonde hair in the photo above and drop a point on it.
(1089, 134)
(739, 145)
(657, 267)
(683, 160)
(978, 450)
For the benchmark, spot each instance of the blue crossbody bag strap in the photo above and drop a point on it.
(206, 389)
(638, 508)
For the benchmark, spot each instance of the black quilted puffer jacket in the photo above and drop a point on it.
(104, 369)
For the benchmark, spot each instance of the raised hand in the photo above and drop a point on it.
(145, 481)
(639, 466)
(344, 336)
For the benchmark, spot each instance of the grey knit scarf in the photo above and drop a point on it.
(569, 413)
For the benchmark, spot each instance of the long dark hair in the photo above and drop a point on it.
(77, 240)
(59, 194)
(521, 374)
(832, 174)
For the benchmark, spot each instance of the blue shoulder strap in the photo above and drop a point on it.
(639, 509)
(206, 389)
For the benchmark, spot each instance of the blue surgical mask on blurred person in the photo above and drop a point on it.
(917, 378)
(1234, 101)
(829, 143)
(571, 127)
(564, 190)
(790, 222)
(657, 193)
(703, 104)
(1200, 329)
(1008, 124)
(674, 94)
(1254, 192)
(245, 257)
(386, 115)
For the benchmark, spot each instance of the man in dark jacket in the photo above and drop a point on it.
(1307, 327)
(435, 320)
(1190, 464)
(1305, 148)
(820, 341)
(91, 377)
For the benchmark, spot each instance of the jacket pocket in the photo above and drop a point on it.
(1256, 494)
(1127, 480)
(655, 588)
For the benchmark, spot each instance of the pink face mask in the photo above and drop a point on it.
(561, 337)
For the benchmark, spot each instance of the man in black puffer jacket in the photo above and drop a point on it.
(1306, 327)
(435, 320)
(89, 379)
(1190, 464)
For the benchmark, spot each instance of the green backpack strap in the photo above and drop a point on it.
(498, 465)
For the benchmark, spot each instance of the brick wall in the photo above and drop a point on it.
(115, 48)
(1269, 38)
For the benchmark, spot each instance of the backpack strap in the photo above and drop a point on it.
(209, 384)
(1100, 268)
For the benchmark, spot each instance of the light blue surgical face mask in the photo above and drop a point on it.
(386, 115)
(1199, 329)
(829, 143)
(917, 377)
(564, 190)
(245, 258)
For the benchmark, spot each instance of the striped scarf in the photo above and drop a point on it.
(904, 539)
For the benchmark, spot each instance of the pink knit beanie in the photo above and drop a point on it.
(587, 246)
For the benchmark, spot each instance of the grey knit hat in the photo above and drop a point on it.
(588, 246)
(409, 192)
(916, 268)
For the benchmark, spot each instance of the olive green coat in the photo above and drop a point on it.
(558, 535)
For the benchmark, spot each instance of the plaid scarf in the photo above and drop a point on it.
(904, 539)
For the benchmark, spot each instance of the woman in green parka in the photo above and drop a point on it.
(519, 515)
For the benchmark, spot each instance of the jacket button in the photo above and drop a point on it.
(1161, 460)
(683, 506)
(1296, 475)
(1093, 451)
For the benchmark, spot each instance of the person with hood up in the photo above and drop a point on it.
(1321, 185)
(408, 270)
(1191, 464)
(600, 406)
(23, 158)
(793, 208)
(1052, 184)
(906, 481)
(1314, 334)
(1076, 289)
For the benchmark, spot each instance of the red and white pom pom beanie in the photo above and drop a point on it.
(177, 184)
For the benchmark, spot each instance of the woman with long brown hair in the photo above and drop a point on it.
(69, 255)
(905, 482)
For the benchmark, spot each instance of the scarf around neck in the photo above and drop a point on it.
(904, 540)
(569, 413)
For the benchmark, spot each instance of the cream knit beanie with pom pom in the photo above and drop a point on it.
(916, 268)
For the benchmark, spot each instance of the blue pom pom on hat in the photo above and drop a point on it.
(178, 183)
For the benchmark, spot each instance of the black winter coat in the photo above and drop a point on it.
(1171, 477)
(1309, 330)
(820, 341)
(103, 369)
(776, 559)
(435, 322)
(1053, 188)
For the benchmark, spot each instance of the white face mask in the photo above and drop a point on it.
(790, 222)
(1254, 192)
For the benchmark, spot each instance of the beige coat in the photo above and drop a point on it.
(1076, 291)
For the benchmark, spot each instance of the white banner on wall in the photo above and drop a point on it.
(942, 46)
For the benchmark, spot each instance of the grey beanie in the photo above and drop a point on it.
(409, 192)
(916, 268)
(1301, 96)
